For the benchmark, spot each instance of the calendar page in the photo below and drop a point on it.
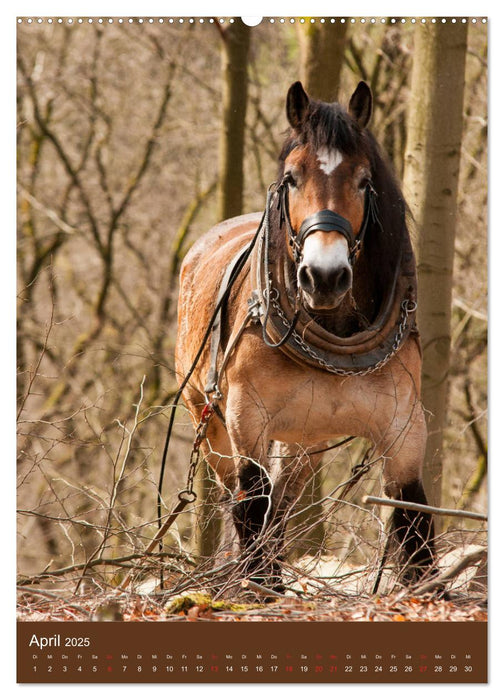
(252, 349)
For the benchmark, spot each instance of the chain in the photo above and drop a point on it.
(188, 494)
(407, 307)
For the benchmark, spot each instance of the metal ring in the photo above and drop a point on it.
(409, 305)
(274, 294)
(187, 496)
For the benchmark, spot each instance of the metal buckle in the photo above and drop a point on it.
(254, 306)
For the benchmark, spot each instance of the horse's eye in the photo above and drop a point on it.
(364, 182)
(289, 179)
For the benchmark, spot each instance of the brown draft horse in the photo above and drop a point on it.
(316, 338)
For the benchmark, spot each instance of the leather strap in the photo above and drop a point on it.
(326, 220)
(215, 340)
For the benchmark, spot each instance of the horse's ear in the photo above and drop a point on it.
(297, 105)
(361, 104)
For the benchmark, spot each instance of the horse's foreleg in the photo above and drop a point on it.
(413, 530)
(252, 499)
(293, 467)
(266, 501)
(251, 515)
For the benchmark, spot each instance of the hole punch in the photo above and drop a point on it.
(251, 21)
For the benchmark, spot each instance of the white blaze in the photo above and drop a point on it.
(325, 257)
(328, 160)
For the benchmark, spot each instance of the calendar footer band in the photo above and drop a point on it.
(251, 652)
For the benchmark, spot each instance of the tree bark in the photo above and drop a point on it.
(208, 518)
(432, 161)
(322, 49)
(234, 62)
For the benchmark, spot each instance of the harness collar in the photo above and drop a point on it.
(290, 327)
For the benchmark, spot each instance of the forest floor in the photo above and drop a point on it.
(39, 607)
(464, 599)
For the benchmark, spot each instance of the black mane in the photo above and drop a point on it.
(330, 125)
(325, 125)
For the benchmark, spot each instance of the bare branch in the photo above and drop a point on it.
(393, 503)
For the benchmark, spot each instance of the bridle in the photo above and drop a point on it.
(327, 220)
(324, 220)
(286, 324)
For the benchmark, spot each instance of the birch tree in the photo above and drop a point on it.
(434, 127)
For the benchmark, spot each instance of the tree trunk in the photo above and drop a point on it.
(435, 122)
(208, 516)
(234, 62)
(322, 49)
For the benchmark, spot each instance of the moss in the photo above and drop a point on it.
(203, 600)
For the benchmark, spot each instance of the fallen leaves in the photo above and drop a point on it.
(197, 606)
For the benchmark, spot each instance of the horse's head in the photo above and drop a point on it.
(326, 184)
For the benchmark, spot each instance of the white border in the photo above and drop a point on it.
(294, 8)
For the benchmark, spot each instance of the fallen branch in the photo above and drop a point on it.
(56, 597)
(469, 560)
(253, 586)
(393, 503)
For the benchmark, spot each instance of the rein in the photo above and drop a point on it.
(283, 202)
(188, 495)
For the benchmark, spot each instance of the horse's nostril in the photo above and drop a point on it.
(342, 279)
(306, 279)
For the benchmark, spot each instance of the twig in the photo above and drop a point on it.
(182, 504)
(117, 481)
(52, 596)
(461, 304)
(49, 213)
(393, 503)
(252, 585)
(35, 373)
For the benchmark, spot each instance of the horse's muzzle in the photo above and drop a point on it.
(323, 288)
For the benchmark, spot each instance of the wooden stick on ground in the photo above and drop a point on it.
(393, 503)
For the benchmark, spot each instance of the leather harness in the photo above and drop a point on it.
(285, 322)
